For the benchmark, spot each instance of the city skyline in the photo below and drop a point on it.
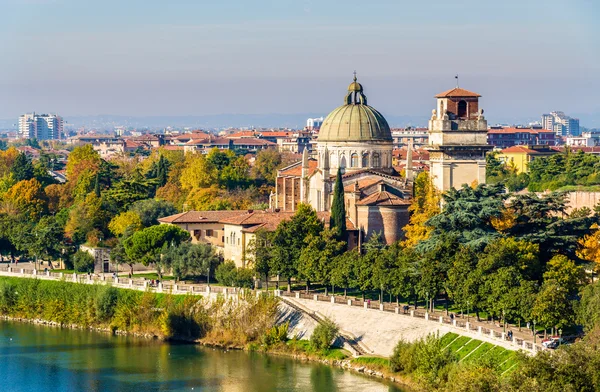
(142, 59)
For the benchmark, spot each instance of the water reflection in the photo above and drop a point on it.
(35, 358)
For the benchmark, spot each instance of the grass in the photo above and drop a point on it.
(304, 346)
(372, 362)
(458, 343)
(448, 338)
(468, 348)
(481, 350)
(471, 350)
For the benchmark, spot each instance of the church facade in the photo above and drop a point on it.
(355, 139)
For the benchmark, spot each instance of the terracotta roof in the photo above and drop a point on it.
(201, 216)
(133, 144)
(276, 134)
(296, 170)
(383, 198)
(208, 141)
(418, 155)
(193, 135)
(457, 92)
(362, 184)
(524, 149)
(172, 148)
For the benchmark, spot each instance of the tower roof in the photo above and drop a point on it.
(355, 121)
(458, 93)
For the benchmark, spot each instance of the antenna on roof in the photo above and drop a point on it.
(456, 77)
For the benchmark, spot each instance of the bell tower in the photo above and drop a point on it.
(457, 140)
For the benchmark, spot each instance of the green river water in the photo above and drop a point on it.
(40, 359)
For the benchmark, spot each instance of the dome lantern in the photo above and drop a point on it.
(355, 121)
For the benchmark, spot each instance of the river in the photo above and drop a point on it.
(38, 358)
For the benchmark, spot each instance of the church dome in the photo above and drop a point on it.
(355, 121)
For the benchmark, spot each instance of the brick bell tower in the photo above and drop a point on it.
(457, 140)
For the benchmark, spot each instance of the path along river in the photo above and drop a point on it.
(44, 359)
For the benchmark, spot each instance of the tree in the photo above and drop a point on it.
(315, 261)
(123, 221)
(342, 272)
(27, 196)
(266, 164)
(543, 220)
(146, 246)
(187, 259)
(260, 253)
(150, 210)
(85, 216)
(22, 169)
(83, 261)
(198, 172)
(82, 166)
(469, 215)
(7, 160)
(289, 240)
(425, 205)
(48, 238)
(337, 222)
(235, 174)
(588, 309)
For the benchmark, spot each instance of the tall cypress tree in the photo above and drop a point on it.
(338, 209)
(22, 168)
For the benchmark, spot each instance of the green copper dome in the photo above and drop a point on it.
(355, 121)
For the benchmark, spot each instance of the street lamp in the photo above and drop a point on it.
(503, 321)
(534, 332)
(559, 336)
(467, 311)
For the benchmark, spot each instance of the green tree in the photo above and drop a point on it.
(338, 208)
(150, 210)
(342, 273)
(83, 261)
(146, 246)
(316, 259)
(289, 240)
(22, 169)
(260, 254)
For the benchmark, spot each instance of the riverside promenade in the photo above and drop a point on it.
(375, 327)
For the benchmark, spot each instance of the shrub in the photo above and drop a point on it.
(323, 335)
(225, 273)
(7, 296)
(83, 261)
(276, 334)
(403, 358)
(228, 275)
(106, 301)
(244, 278)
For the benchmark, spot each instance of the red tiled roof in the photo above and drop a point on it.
(362, 184)
(296, 170)
(457, 92)
(383, 198)
(521, 149)
(172, 148)
(418, 155)
(201, 216)
(241, 134)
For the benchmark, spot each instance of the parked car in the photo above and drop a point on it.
(552, 342)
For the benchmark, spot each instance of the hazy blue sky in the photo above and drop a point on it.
(194, 57)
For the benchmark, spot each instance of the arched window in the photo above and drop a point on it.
(343, 162)
(365, 160)
(354, 160)
(376, 160)
(462, 108)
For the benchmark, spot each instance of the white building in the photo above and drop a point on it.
(587, 139)
(561, 124)
(314, 123)
(40, 126)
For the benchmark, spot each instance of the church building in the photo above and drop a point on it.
(356, 139)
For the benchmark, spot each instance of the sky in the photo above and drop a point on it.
(198, 57)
